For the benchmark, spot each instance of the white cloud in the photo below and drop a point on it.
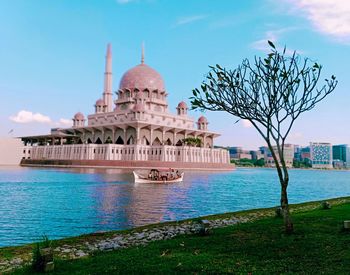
(274, 37)
(190, 19)
(262, 45)
(28, 117)
(331, 17)
(246, 123)
(64, 122)
(25, 117)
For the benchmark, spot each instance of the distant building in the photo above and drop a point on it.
(12, 151)
(288, 154)
(237, 153)
(266, 153)
(341, 156)
(297, 152)
(305, 154)
(256, 155)
(321, 155)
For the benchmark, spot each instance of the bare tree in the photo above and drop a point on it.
(271, 93)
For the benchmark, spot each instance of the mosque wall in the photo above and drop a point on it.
(128, 152)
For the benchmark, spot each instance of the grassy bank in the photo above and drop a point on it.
(260, 247)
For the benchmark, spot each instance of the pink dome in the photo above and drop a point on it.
(202, 119)
(79, 116)
(139, 108)
(182, 104)
(142, 77)
(100, 102)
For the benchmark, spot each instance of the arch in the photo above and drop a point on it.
(145, 141)
(146, 93)
(168, 142)
(108, 140)
(179, 143)
(156, 142)
(155, 94)
(89, 141)
(80, 141)
(119, 140)
(208, 145)
(98, 141)
(130, 140)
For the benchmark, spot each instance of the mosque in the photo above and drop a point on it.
(134, 131)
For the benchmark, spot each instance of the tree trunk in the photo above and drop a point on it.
(288, 224)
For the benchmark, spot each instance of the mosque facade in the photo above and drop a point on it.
(136, 130)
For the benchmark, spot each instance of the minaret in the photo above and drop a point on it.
(107, 92)
(143, 53)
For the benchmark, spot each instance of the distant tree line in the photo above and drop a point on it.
(249, 162)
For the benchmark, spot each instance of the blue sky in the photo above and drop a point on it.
(52, 55)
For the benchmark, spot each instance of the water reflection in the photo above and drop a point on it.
(68, 202)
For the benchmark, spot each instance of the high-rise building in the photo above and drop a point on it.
(321, 155)
(288, 153)
(305, 154)
(341, 155)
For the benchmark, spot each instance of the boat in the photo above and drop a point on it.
(159, 176)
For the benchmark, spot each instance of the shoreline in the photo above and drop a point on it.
(128, 164)
(294, 168)
(75, 247)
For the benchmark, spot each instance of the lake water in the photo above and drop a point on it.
(70, 202)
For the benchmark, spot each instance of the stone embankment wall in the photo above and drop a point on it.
(136, 237)
(143, 236)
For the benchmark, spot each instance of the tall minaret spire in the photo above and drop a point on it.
(143, 53)
(107, 91)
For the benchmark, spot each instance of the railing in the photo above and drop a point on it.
(130, 152)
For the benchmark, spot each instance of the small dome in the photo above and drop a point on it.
(100, 102)
(79, 116)
(139, 107)
(202, 119)
(142, 77)
(182, 105)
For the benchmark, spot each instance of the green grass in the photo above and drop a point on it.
(318, 246)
